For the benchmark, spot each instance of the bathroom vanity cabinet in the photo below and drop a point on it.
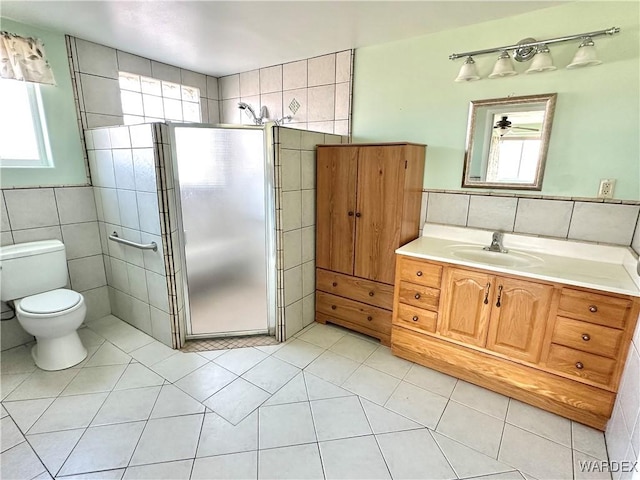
(367, 205)
(558, 347)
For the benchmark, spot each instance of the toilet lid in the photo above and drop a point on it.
(50, 302)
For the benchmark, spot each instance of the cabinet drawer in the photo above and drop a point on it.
(368, 316)
(587, 337)
(594, 308)
(412, 317)
(420, 272)
(373, 293)
(419, 296)
(581, 364)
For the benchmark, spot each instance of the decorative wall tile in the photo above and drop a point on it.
(294, 103)
(604, 222)
(448, 209)
(543, 217)
(294, 75)
(322, 70)
(493, 213)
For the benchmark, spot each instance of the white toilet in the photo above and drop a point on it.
(33, 276)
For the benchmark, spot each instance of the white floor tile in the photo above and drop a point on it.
(121, 334)
(298, 353)
(43, 476)
(153, 353)
(53, 448)
(411, 454)
(177, 366)
(219, 437)
(17, 360)
(20, 462)
(383, 360)
(285, 425)
(240, 360)
(127, 406)
(587, 440)
(168, 439)
(535, 455)
(512, 475)
(94, 380)
(481, 399)
(583, 468)
(319, 389)
(211, 354)
(540, 422)
(339, 418)
(103, 448)
(484, 435)
(292, 392)
(332, 367)
(137, 375)
(26, 412)
(290, 463)
(353, 458)
(354, 348)
(10, 435)
(371, 384)
(236, 466)
(270, 349)
(467, 462)
(90, 338)
(236, 400)
(180, 470)
(8, 383)
(271, 374)
(383, 420)
(104, 475)
(323, 336)
(67, 413)
(205, 381)
(108, 354)
(173, 402)
(3, 412)
(417, 404)
(431, 380)
(41, 384)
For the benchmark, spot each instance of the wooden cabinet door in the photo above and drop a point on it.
(519, 318)
(379, 212)
(337, 173)
(464, 315)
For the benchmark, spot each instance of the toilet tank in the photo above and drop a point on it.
(30, 268)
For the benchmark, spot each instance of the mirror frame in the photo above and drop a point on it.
(550, 104)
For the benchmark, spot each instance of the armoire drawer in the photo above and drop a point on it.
(416, 318)
(419, 296)
(594, 308)
(420, 272)
(581, 364)
(366, 291)
(587, 337)
(358, 313)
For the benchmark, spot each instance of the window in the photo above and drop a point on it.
(514, 160)
(23, 131)
(146, 99)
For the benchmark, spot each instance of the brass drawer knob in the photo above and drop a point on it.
(417, 296)
(371, 294)
(593, 308)
(415, 318)
(419, 273)
(586, 337)
(335, 284)
(579, 365)
(333, 307)
(369, 318)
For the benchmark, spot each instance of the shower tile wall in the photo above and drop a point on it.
(124, 164)
(295, 195)
(316, 92)
(67, 214)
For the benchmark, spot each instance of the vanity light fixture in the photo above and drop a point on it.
(528, 49)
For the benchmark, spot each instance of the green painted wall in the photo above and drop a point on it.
(405, 91)
(62, 121)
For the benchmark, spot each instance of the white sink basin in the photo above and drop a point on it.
(476, 253)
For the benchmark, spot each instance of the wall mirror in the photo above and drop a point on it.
(507, 141)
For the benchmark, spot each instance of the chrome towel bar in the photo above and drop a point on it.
(143, 246)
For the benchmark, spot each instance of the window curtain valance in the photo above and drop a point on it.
(23, 58)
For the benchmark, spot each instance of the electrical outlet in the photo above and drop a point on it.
(606, 188)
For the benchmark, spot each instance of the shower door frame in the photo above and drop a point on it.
(270, 226)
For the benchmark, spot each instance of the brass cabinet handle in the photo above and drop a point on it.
(419, 273)
(499, 295)
(369, 318)
(415, 318)
(486, 293)
(417, 296)
(586, 337)
(593, 308)
(371, 294)
(335, 284)
(579, 365)
(350, 214)
(333, 307)
(358, 214)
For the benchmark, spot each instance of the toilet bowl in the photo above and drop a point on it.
(53, 318)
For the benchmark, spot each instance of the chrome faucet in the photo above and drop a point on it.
(496, 243)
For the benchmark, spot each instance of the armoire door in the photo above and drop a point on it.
(337, 173)
(381, 172)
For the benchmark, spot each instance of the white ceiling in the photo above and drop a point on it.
(225, 37)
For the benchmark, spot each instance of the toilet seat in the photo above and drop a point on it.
(54, 301)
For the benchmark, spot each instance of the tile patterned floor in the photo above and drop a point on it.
(228, 343)
(326, 404)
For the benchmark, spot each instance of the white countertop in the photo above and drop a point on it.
(600, 267)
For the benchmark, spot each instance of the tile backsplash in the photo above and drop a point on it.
(69, 215)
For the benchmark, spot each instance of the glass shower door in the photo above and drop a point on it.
(221, 176)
